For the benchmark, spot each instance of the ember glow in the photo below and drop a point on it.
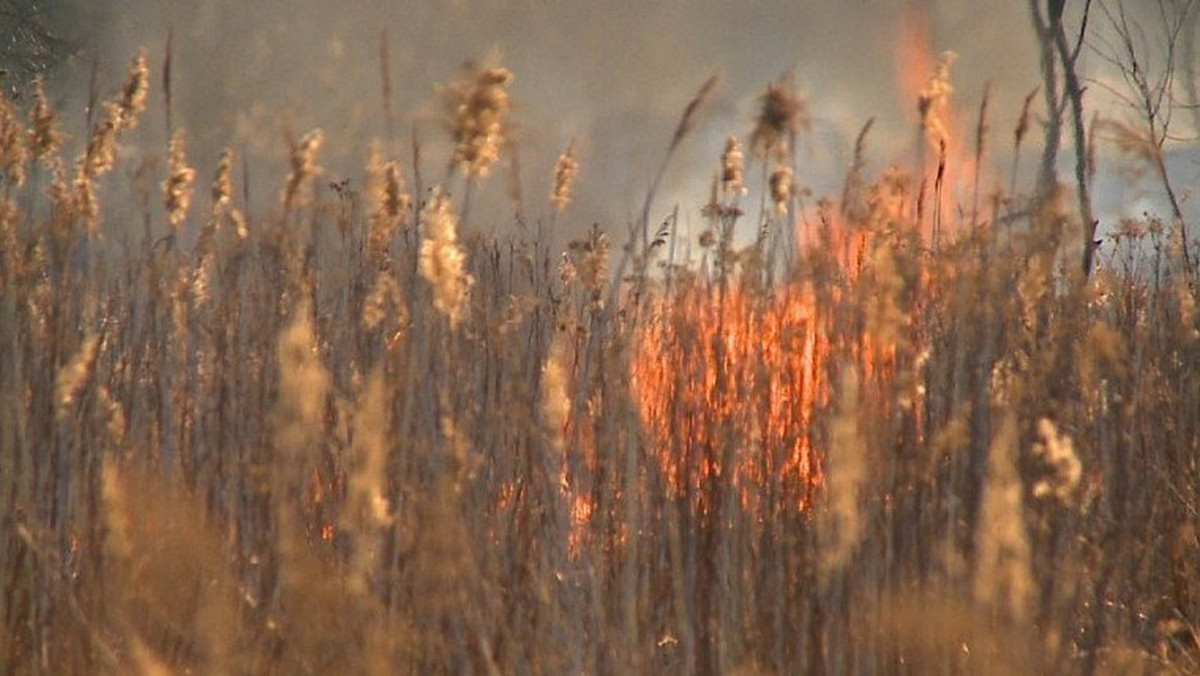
(727, 381)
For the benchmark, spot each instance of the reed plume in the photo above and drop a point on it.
(367, 506)
(74, 376)
(13, 152)
(443, 261)
(115, 421)
(934, 102)
(119, 537)
(1063, 468)
(733, 169)
(303, 162)
(389, 204)
(385, 300)
(222, 196)
(566, 172)
(782, 189)
(590, 259)
(120, 115)
(298, 424)
(8, 241)
(101, 151)
(477, 108)
(303, 382)
(125, 110)
(781, 114)
(100, 156)
(201, 279)
(44, 136)
(177, 188)
(222, 185)
(556, 394)
(1003, 577)
(85, 202)
(61, 190)
(839, 523)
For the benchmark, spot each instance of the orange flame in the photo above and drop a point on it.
(727, 383)
(914, 52)
(728, 380)
(946, 161)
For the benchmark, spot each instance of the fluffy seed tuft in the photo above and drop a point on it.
(477, 108)
(177, 189)
(443, 261)
(566, 171)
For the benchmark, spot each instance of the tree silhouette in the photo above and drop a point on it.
(1054, 10)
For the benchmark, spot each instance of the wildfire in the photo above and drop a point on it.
(727, 382)
(946, 162)
(728, 379)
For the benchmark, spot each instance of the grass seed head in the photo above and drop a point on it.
(115, 422)
(303, 161)
(590, 259)
(119, 115)
(566, 171)
(303, 384)
(389, 204)
(75, 374)
(101, 152)
(733, 169)
(781, 114)
(86, 203)
(118, 539)
(367, 506)
(177, 188)
(556, 394)
(840, 523)
(13, 152)
(782, 189)
(477, 107)
(125, 110)
(202, 275)
(567, 272)
(222, 185)
(1057, 453)
(443, 260)
(934, 102)
(44, 136)
(384, 300)
(8, 241)
(1003, 577)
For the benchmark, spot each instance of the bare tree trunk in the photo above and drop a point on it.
(1057, 52)
(1074, 94)
(1048, 172)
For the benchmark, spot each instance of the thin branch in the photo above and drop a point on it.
(1087, 11)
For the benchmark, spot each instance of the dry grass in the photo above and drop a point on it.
(360, 441)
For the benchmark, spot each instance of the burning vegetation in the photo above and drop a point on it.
(897, 431)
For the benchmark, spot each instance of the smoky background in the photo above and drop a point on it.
(612, 76)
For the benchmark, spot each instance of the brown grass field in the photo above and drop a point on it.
(901, 430)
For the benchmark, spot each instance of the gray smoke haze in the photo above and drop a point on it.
(613, 75)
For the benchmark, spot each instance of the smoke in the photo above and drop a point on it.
(612, 75)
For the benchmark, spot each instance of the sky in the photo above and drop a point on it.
(613, 76)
